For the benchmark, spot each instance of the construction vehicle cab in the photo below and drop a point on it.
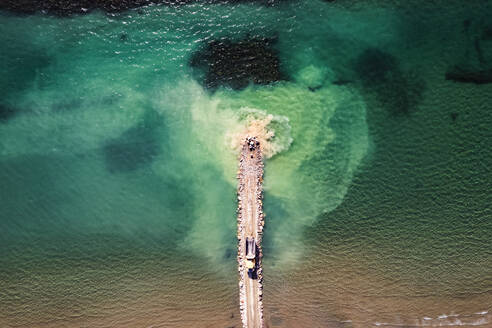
(250, 254)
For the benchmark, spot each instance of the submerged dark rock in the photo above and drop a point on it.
(487, 33)
(71, 7)
(380, 73)
(476, 64)
(229, 253)
(6, 113)
(459, 74)
(22, 66)
(237, 64)
(135, 148)
(375, 66)
(342, 82)
(314, 89)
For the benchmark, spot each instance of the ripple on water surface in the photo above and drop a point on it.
(118, 163)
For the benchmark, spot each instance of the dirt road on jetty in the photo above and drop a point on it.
(250, 224)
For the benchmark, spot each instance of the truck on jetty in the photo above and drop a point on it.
(250, 254)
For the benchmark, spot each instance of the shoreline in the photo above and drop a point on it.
(68, 8)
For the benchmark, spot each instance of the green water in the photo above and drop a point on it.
(116, 162)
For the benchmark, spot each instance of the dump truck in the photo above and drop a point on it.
(250, 254)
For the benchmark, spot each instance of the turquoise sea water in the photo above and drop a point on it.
(117, 195)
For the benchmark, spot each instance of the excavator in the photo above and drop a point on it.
(250, 254)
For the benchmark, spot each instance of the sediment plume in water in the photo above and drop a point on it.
(272, 131)
(312, 143)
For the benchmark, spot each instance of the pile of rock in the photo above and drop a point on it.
(251, 147)
(236, 64)
(71, 7)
